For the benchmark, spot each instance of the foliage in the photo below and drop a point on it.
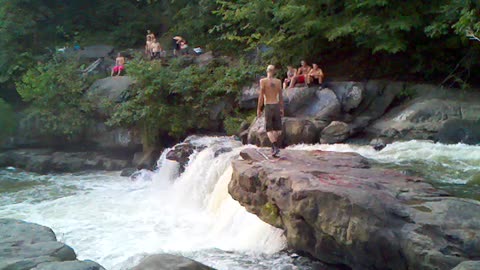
(180, 98)
(7, 120)
(55, 90)
(232, 123)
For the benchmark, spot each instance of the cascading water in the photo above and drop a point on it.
(116, 221)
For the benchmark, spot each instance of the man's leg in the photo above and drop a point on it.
(113, 71)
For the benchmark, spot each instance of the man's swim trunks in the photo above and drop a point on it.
(273, 117)
(301, 79)
(118, 69)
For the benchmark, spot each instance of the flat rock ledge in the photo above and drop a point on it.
(340, 210)
(26, 246)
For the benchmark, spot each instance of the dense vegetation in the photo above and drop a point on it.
(418, 39)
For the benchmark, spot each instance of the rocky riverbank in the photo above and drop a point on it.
(340, 210)
(25, 246)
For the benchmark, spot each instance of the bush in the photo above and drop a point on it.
(178, 99)
(7, 120)
(55, 92)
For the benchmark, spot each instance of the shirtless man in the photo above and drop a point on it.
(291, 73)
(156, 49)
(119, 65)
(315, 75)
(302, 73)
(272, 100)
(148, 46)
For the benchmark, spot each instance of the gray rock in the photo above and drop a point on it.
(107, 91)
(106, 139)
(350, 94)
(459, 131)
(257, 133)
(379, 143)
(298, 130)
(96, 51)
(169, 262)
(204, 59)
(46, 160)
(335, 132)
(181, 153)
(70, 265)
(468, 265)
(296, 99)
(324, 105)
(249, 97)
(340, 210)
(25, 245)
(127, 172)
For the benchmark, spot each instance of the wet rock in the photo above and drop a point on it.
(335, 132)
(340, 210)
(468, 265)
(118, 139)
(48, 160)
(146, 159)
(169, 262)
(71, 265)
(96, 51)
(249, 97)
(299, 131)
(379, 143)
(26, 245)
(459, 131)
(127, 172)
(181, 153)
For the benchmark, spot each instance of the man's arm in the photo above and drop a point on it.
(260, 99)
(280, 97)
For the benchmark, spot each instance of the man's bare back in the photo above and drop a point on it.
(271, 88)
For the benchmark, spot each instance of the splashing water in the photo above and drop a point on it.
(116, 221)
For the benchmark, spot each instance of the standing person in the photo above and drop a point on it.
(148, 44)
(315, 75)
(302, 73)
(156, 50)
(176, 44)
(272, 100)
(119, 65)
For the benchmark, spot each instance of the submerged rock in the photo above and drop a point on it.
(338, 209)
(169, 262)
(26, 245)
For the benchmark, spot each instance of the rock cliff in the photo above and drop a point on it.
(337, 208)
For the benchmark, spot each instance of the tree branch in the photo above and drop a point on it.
(472, 35)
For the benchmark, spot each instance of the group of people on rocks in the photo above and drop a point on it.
(270, 98)
(153, 48)
(304, 74)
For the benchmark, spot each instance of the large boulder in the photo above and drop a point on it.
(425, 116)
(350, 94)
(25, 246)
(340, 210)
(169, 262)
(249, 98)
(468, 265)
(104, 138)
(107, 91)
(297, 98)
(323, 105)
(459, 131)
(335, 132)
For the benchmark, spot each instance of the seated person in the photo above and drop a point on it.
(315, 75)
(119, 65)
(184, 47)
(156, 50)
(301, 75)
(291, 72)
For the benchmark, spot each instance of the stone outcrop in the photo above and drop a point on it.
(335, 132)
(169, 262)
(25, 246)
(49, 160)
(107, 91)
(337, 208)
(434, 114)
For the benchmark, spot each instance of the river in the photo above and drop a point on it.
(116, 221)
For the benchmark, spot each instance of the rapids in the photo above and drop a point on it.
(116, 221)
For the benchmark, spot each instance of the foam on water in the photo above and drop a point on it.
(115, 221)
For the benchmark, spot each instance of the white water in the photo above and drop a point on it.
(116, 221)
